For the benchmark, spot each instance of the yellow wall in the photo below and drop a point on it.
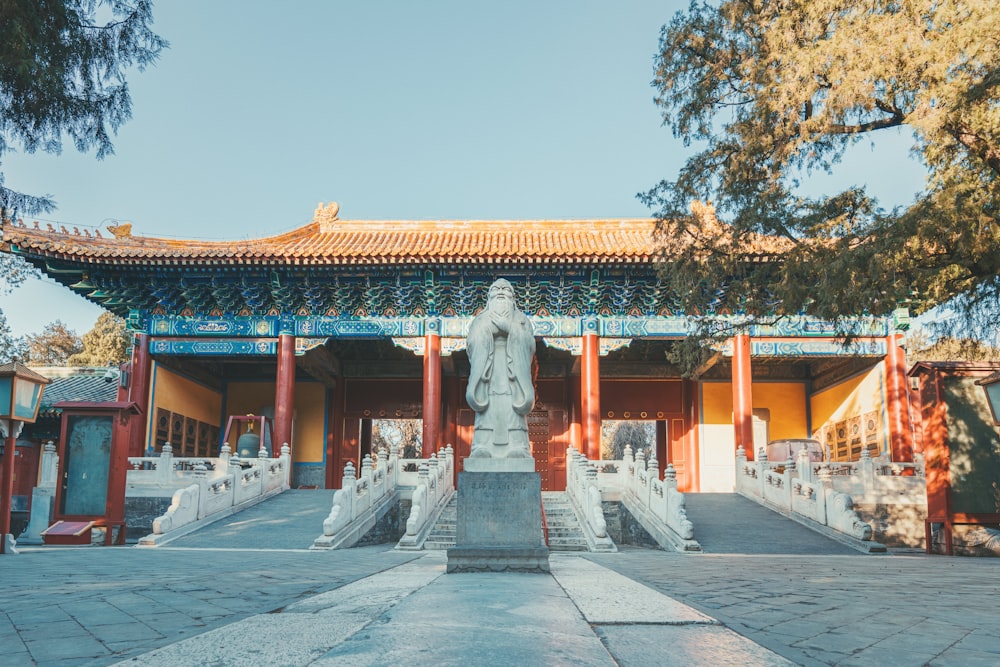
(182, 396)
(855, 407)
(716, 455)
(717, 403)
(787, 403)
(785, 400)
(308, 429)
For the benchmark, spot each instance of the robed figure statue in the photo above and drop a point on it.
(501, 346)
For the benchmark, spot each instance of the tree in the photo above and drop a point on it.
(921, 347)
(62, 73)
(53, 346)
(639, 435)
(10, 345)
(775, 90)
(107, 344)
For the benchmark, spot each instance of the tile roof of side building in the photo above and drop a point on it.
(77, 383)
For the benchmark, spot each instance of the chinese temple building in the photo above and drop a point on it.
(340, 323)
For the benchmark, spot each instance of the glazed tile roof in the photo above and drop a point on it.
(331, 241)
(70, 383)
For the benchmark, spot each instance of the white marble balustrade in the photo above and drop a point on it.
(200, 487)
(827, 493)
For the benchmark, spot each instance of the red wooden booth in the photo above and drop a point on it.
(93, 464)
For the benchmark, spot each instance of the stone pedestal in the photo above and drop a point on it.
(499, 523)
(42, 500)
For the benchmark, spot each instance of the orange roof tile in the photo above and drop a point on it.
(330, 241)
(354, 242)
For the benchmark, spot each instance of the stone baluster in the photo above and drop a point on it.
(225, 454)
(804, 465)
(670, 476)
(653, 465)
(350, 475)
(165, 464)
(866, 469)
(449, 456)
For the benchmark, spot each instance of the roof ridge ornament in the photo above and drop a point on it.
(120, 230)
(327, 213)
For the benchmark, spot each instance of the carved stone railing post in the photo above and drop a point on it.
(804, 465)
(670, 476)
(366, 467)
(866, 470)
(165, 465)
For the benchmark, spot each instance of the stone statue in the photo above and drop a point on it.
(501, 346)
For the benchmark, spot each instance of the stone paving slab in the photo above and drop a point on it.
(809, 609)
(845, 610)
(417, 615)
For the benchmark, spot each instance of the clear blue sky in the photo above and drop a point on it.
(396, 110)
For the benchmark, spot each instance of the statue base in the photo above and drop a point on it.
(470, 464)
(499, 523)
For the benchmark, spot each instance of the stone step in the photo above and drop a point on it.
(565, 533)
(442, 534)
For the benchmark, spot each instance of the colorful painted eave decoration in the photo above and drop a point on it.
(258, 336)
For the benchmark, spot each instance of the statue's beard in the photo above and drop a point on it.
(501, 307)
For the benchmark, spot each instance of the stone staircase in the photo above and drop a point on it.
(565, 533)
(442, 535)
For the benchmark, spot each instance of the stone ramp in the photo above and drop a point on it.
(728, 523)
(290, 520)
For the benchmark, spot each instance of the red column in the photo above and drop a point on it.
(7, 484)
(432, 392)
(140, 375)
(898, 401)
(742, 396)
(284, 393)
(575, 410)
(692, 419)
(335, 436)
(590, 381)
(449, 428)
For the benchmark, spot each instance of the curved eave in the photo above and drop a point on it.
(339, 244)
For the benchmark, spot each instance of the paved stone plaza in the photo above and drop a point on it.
(247, 606)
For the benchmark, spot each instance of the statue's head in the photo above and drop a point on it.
(501, 297)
